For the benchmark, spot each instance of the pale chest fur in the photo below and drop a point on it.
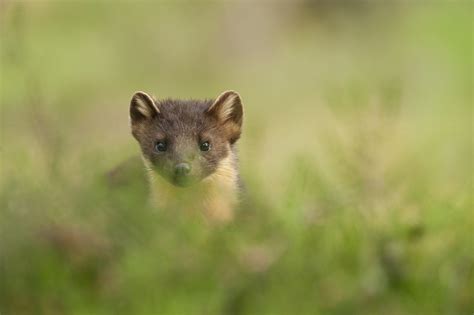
(215, 197)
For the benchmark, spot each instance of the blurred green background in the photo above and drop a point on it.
(356, 152)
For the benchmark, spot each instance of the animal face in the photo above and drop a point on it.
(184, 141)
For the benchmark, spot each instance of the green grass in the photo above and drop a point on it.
(356, 152)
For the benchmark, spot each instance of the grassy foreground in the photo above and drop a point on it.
(356, 152)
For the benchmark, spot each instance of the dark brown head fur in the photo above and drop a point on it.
(173, 134)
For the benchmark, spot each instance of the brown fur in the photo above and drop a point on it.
(183, 125)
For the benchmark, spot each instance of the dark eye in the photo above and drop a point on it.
(160, 146)
(205, 146)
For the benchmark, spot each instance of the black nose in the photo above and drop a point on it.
(182, 169)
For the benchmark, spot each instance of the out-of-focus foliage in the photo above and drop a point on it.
(357, 155)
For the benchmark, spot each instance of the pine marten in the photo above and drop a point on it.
(189, 151)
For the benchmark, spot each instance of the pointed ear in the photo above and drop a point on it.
(143, 106)
(227, 108)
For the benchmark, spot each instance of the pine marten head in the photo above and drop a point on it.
(185, 141)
